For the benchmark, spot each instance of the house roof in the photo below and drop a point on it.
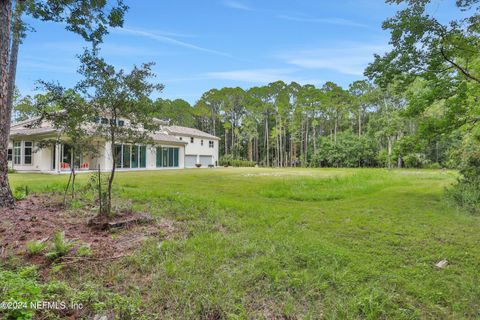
(191, 132)
(16, 132)
(161, 137)
(22, 129)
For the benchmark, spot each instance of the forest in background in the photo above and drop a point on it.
(286, 125)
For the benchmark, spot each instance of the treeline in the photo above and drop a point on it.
(285, 125)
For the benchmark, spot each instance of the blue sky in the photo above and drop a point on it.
(199, 45)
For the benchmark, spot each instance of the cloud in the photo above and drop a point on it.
(346, 59)
(236, 5)
(334, 21)
(163, 38)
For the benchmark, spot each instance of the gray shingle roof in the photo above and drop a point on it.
(161, 137)
(178, 130)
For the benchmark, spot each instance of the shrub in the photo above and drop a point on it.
(60, 246)
(21, 192)
(35, 247)
(230, 161)
(84, 251)
(19, 287)
(466, 194)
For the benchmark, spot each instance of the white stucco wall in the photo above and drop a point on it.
(196, 148)
(41, 159)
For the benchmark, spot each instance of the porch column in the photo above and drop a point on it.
(58, 157)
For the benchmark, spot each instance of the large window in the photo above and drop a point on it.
(22, 152)
(128, 156)
(17, 152)
(167, 157)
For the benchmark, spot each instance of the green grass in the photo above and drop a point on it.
(293, 243)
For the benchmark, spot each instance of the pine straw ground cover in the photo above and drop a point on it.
(279, 244)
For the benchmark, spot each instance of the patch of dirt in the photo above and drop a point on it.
(40, 216)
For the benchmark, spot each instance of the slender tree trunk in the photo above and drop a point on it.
(360, 122)
(6, 197)
(250, 149)
(267, 144)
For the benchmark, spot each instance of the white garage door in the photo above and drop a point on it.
(190, 161)
(206, 160)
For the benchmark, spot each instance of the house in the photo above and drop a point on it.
(172, 147)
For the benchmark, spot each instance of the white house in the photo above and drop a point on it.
(173, 147)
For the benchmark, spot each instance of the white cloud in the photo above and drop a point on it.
(237, 5)
(334, 21)
(163, 38)
(347, 59)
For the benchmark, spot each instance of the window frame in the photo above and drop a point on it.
(30, 153)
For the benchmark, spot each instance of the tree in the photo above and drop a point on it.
(88, 18)
(118, 95)
(70, 115)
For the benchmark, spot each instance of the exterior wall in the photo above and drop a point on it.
(196, 148)
(41, 159)
(106, 159)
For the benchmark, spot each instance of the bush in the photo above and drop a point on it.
(466, 194)
(19, 287)
(415, 160)
(228, 161)
(60, 246)
(35, 247)
(21, 192)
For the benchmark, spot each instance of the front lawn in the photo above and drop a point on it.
(289, 243)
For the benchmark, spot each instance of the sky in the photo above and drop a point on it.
(198, 45)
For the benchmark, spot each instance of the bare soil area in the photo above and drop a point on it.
(40, 216)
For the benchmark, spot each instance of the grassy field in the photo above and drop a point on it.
(292, 243)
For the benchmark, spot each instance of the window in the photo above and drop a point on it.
(17, 152)
(128, 156)
(210, 144)
(181, 138)
(191, 140)
(121, 123)
(9, 155)
(167, 157)
(104, 121)
(201, 142)
(143, 156)
(27, 152)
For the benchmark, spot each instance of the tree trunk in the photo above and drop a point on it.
(250, 149)
(6, 197)
(16, 37)
(359, 122)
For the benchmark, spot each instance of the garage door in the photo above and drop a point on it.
(190, 161)
(206, 160)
